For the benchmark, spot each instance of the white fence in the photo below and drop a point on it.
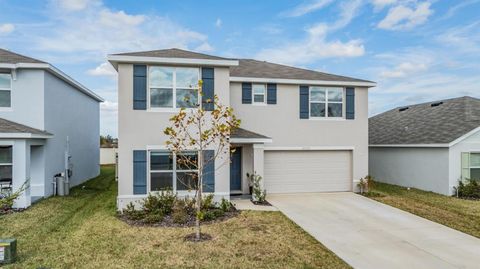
(107, 155)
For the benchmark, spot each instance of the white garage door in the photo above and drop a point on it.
(308, 171)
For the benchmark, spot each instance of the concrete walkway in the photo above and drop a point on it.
(368, 234)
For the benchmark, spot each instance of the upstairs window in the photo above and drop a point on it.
(326, 102)
(5, 89)
(173, 87)
(259, 93)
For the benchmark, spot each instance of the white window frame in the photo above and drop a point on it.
(470, 167)
(174, 171)
(10, 90)
(264, 94)
(326, 102)
(174, 108)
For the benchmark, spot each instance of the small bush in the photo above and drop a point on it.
(180, 212)
(131, 213)
(7, 199)
(468, 189)
(366, 184)
(258, 195)
(153, 217)
(161, 202)
(225, 205)
(207, 202)
(213, 214)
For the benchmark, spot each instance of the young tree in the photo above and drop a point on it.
(199, 130)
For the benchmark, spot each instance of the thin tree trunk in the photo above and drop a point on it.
(199, 186)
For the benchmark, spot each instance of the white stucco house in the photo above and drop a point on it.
(429, 146)
(302, 130)
(41, 111)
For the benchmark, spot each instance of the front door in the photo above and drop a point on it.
(236, 170)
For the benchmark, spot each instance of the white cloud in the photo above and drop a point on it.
(218, 23)
(109, 117)
(404, 69)
(96, 31)
(403, 17)
(204, 47)
(465, 39)
(104, 69)
(74, 5)
(380, 4)
(312, 48)
(348, 11)
(6, 28)
(306, 8)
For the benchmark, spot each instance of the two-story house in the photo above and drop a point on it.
(302, 130)
(49, 125)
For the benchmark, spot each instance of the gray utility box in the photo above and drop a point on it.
(8, 251)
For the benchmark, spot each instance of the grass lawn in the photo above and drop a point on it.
(459, 214)
(81, 231)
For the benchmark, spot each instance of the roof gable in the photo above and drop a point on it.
(439, 122)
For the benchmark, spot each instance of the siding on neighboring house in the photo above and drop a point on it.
(69, 112)
(470, 144)
(422, 168)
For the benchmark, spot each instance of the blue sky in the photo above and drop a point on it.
(415, 50)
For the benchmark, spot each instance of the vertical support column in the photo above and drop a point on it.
(258, 150)
(21, 172)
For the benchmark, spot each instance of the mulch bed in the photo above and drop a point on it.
(264, 203)
(192, 237)
(167, 221)
(10, 211)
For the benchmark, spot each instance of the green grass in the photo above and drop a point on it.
(459, 214)
(81, 231)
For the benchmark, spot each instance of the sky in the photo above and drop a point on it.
(416, 51)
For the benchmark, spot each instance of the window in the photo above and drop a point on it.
(475, 166)
(166, 166)
(5, 89)
(258, 93)
(6, 163)
(326, 102)
(173, 87)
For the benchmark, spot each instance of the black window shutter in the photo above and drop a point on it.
(350, 104)
(208, 171)
(246, 93)
(139, 172)
(271, 93)
(208, 88)
(140, 87)
(304, 99)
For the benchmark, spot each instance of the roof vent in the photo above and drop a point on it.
(403, 109)
(436, 104)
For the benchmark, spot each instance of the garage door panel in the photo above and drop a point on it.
(307, 171)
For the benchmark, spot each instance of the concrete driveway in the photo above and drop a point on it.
(369, 234)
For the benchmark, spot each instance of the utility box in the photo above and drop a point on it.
(8, 251)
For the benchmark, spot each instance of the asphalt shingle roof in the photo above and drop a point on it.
(262, 69)
(9, 57)
(172, 53)
(249, 67)
(7, 126)
(242, 133)
(426, 124)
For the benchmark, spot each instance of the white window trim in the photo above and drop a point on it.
(326, 102)
(173, 109)
(264, 95)
(8, 108)
(174, 171)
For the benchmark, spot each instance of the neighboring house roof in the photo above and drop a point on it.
(241, 70)
(439, 122)
(262, 69)
(13, 61)
(12, 129)
(7, 56)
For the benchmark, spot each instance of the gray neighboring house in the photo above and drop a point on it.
(429, 146)
(40, 109)
(302, 130)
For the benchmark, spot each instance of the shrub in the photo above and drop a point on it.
(7, 200)
(131, 213)
(153, 217)
(225, 205)
(213, 214)
(161, 202)
(207, 202)
(366, 184)
(258, 194)
(180, 212)
(468, 189)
